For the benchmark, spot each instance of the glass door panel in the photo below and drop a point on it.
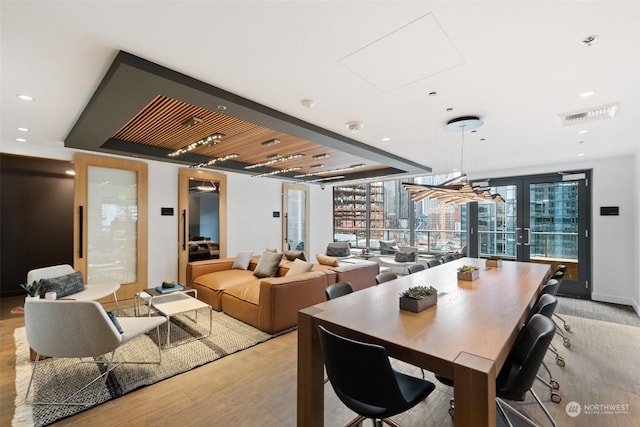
(498, 224)
(112, 225)
(296, 214)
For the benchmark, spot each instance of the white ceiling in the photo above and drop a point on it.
(517, 65)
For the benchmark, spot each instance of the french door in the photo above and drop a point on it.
(545, 219)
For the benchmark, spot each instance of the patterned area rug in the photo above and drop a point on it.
(58, 378)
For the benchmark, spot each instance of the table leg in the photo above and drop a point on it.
(310, 371)
(474, 391)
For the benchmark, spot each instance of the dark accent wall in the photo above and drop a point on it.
(36, 217)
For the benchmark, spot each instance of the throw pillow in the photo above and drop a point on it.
(268, 265)
(63, 285)
(338, 251)
(388, 246)
(298, 267)
(242, 260)
(327, 260)
(405, 256)
(293, 255)
(114, 319)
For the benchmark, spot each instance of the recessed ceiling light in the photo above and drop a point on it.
(386, 139)
(70, 172)
(580, 154)
(25, 97)
(21, 140)
(449, 109)
(23, 129)
(434, 93)
(307, 103)
(587, 94)
(587, 41)
(222, 107)
(583, 131)
(354, 126)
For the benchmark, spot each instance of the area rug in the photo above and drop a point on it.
(58, 378)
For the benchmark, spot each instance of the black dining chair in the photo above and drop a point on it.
(363, 379)
(414, 268)
(448, 258)
(520, 369)
(385, 276)
(338, 289)
(434, 263)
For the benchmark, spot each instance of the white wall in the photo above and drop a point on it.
(614, 252)
(636, 305)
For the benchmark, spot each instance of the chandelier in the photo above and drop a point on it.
(456, 190)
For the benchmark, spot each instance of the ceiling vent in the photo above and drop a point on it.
(586, 116)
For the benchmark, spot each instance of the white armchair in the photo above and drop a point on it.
(91, 292)
(399, 267)
(78, 329)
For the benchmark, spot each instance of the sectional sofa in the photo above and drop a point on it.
(270, 304)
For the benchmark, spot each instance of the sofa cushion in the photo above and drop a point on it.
(298, 267)
(268, 265)
(293, 255)
(249, 292)
(221, 280)
(327, 260)
(405, 256)
(242, 260)
(63, 286)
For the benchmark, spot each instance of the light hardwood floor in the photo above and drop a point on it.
(257, 387)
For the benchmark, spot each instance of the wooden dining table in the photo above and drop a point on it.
(466, 336)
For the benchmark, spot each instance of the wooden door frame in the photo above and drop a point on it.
(184, 174)
(82, 162)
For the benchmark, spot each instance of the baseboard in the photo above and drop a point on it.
(616, 300)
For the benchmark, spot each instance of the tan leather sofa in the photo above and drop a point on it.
(269, 304)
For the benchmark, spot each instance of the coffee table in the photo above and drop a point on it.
(147, 295)
(176, 303)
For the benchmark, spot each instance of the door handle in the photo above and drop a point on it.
(518, 236)
(528, 242)
(184, 229)
(80, 231)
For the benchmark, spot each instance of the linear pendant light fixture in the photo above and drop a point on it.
(456, 190)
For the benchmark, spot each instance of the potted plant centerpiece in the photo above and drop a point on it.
(418, 298)
(468, 272)
(31, 289)
(494, 262)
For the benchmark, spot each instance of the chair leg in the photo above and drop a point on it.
(132, 362)
(115, 300)
(505, 406)
(356, 421)
(535, 396)
(390, 422)
(65, 402)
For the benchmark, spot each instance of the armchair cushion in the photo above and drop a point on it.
(388, 246)
(242, 260)
(405, 257)
(341, 250)
(62, 285)
(114, 319)
(268, 265)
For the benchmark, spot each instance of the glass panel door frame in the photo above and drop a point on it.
(184, 175)
(577, 282)
(296, 217)
(82, 163)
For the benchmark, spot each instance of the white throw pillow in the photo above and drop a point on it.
(298, 267)
(242, 260)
